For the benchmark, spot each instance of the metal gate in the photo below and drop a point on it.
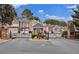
(21, 35)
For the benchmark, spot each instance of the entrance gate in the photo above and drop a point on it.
(21, 35)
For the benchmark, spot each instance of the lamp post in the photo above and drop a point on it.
(19, 27)
(48, 33)
(48, 36)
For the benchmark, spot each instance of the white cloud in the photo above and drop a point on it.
(71, 11)
(16, 5)
(40, 11)
(74, 6)
(55, 17)
(70, 18)
(60, 18)
(47, 15)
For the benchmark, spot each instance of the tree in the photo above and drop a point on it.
(7, 14)
(34, 18)
(55, 22)
(27, 13)
(71, 26)
(75, 16)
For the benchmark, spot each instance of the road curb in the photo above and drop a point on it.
(5, 41)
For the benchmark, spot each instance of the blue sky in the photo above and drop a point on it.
(44, 11)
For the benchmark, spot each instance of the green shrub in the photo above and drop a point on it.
(52, 32)
(33, 36)
(39, 36)
(64, 33)
(30, 31)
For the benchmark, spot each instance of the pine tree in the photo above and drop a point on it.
(75, 16)
(75, 21)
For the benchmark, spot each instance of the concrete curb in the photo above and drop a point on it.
(38, 40)
(5, 41)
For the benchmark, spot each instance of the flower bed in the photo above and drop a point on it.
(40, 36)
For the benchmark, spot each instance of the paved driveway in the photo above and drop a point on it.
(53, 46)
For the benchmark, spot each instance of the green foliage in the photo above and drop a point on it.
(55, 22)
(64, 33)
(75, 16)
(30, 31)
(71, 25)
(27, 13)
(40, 36)
(35, 18)
(7, 13)
(33, 36)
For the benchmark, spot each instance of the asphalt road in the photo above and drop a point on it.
(52, 46)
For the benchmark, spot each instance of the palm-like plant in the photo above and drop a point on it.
(27, 13)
